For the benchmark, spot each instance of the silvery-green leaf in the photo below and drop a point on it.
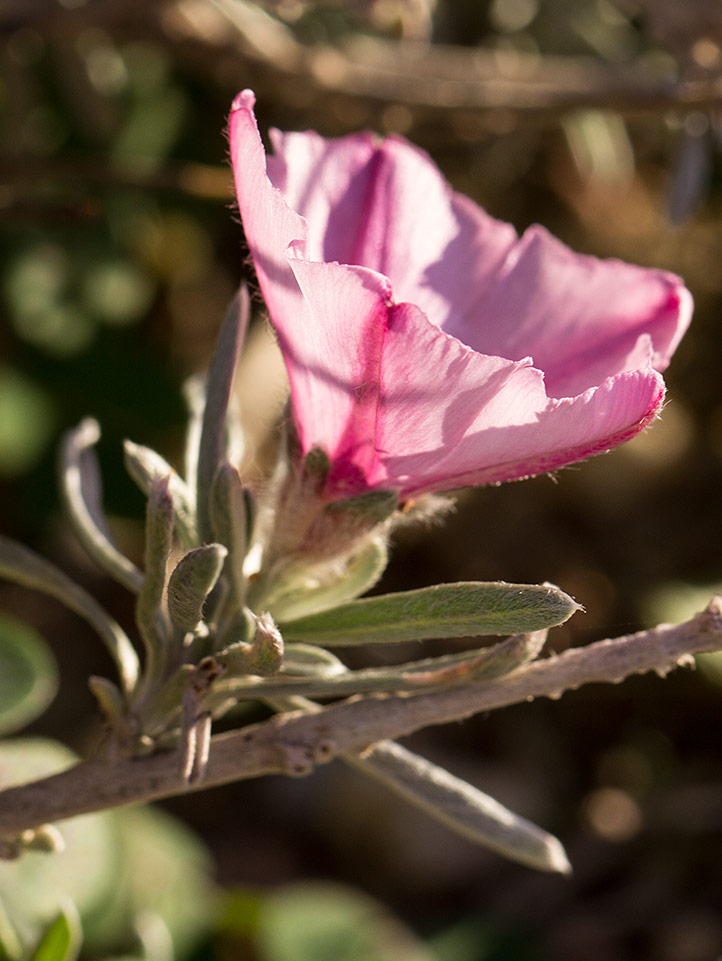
(486, 664)
(194, 392)
(446, 610)
(308, 596)
(262, 657)
(79, 484)
(229, 525)
(213, 440)
(28, 674)
(192, 580)
(149, 606)
(374, 507)
(307, 660)
(23, 566)
(111, 703)
(462, 807)
(146, 467)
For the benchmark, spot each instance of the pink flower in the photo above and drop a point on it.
(427, 346)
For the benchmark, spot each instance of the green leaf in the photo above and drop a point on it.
(62, 940)
(37, 886)
(213, 439)
(333, 679)
(192, 580)
(146, 467)
(80, 486)
(446, 610)
(307, 596)
(28, 675)
(329, 922)
(139, 878)
(149, 606)
(229, 513)
(307, 660)
(22, 566)
(162, 887)
(27, 422)
(462, 807)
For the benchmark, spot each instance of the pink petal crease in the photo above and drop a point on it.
(427, 345)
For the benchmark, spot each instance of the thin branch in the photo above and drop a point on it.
(294, 744)
(433, 79)
(484, 90)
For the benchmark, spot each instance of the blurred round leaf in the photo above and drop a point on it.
(117, 292)
(162, 885)
(26, 422)
(328, 922)
(140, 880)
(28, 675)
(35, 888)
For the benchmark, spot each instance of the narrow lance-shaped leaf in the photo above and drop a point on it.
(111, 703)
(146, 467)
(79, 483)
(446, 610)
(192, 580)
(23, 566)
(229, 526)
(487, 664)
(462, 807)
(62, 940)
(148, 610)
(212, 447)
(194, 392)
(28, 674)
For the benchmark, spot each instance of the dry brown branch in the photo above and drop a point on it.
(507, 88)
(485, 89)
(295, 743)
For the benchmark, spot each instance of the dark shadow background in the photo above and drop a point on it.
(119, 250)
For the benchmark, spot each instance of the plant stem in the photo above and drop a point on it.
(295, 743)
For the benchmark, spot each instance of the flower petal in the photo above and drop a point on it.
(582, 319)
(328, 350)
(334, 365)
(512, 357)
(497, 422)
(383, 204)
(270, 225)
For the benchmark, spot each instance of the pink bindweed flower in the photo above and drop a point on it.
(427, 345)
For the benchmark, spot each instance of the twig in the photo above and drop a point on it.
(295, 743)
(433, 79)
(482, 90)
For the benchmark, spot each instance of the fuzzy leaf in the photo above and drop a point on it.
(319, 678)
(149, 607)
(191, 582)
(462, 807)
(28, 675)
(229, 512)
(213, 439)
(23, 566)
(446, 610)
(306, 596)
(79, 484)
(146, 467)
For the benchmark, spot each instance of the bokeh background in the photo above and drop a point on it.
(120, 250)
